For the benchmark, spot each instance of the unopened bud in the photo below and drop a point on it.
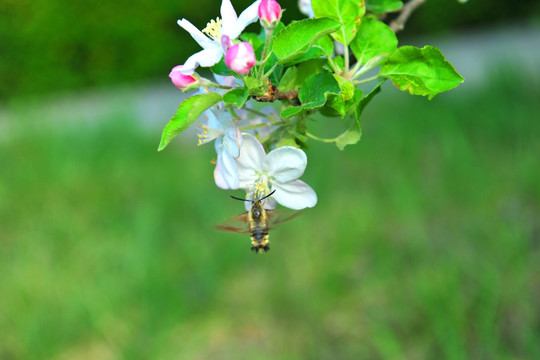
(180, 80)
(240, 58)
(269, 13)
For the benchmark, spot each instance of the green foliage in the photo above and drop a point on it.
(420, 71)
(346, 12)
(188, 112)
(383, 6)
(295, 39)
(313, 94)
(374, 38)
(221, 69)
(236, 97)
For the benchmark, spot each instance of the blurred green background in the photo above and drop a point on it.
(425, 243)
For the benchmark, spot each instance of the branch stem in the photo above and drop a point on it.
(398, 23)
(362, 81)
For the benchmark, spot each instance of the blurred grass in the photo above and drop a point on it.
(424, 244)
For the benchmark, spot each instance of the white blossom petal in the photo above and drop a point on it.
(250, 160)
(295, 195)
(232, 140)
(226, 171)
(285, 164)
(248, 16)
(196, 34)
(305, 8)
(228, 18)
(205, 58)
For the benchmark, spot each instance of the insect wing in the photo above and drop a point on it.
(276, 217)
(239, 224)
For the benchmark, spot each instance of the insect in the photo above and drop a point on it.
(257, 222)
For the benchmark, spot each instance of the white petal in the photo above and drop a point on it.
(295, 195)
(228, 81)
(232, 139)
(250, 160)
(196, 34)
(285, 164)
(229, 18)
(270, 203)
(226, 171)
(206, 58)
(212, 120)
(248, 16)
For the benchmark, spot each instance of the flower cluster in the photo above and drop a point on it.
(269, 87)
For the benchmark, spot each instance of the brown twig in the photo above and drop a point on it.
(272, 94)
(398, 23)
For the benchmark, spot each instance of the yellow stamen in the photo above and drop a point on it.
(213, 29)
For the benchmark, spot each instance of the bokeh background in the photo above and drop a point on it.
(425, 243)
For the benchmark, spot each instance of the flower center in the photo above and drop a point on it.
(213, 29)
(260, 188)
(206, 133)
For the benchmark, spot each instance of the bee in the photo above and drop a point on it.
(256, 222)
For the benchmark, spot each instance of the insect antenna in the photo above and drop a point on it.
(237, 198)
(272, 193)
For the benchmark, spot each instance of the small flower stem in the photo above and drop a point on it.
(368, 66)
(319, 139)
(355, 69)
(256, 112)
(356, 82)
(249, 127)
(269, 72)
(264, 58)
(205, 83)
(333, 65)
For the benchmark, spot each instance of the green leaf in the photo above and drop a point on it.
(326, 45)
(287, 141)
(348, 97)
(295, 39)
(420, 71)
(351, 136)
(347, 12)
(323, 47)
(308, 68)
(236, 97)
(366, 100)
(373, 38)
(314, 93)
(383, 6)
(188, 112)
(254, 39)
(354, 133)
(221, 69)
(294, 76)
(288, 80)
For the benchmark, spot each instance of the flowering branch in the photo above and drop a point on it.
(301, 55)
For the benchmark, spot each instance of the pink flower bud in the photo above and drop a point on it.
(180, 80)
(240, 58)
(269, 12)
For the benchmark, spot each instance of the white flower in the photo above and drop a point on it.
(220, 32)
(219, 126)
(259, 174)
(305, 8)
